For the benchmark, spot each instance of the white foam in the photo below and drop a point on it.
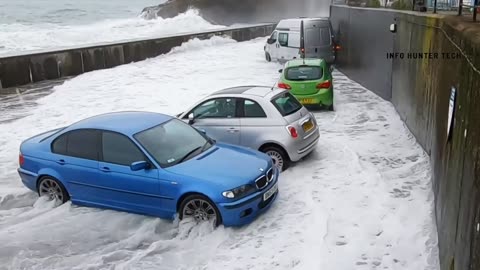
(362, 200)
(20, 37)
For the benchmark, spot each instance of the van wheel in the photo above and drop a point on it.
(267, 56)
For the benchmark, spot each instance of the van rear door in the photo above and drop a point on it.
(318, 40)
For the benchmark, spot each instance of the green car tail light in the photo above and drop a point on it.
(325, 84)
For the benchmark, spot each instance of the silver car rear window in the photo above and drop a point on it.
(286, 104)
(303, 73)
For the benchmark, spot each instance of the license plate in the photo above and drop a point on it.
(269, 193)
(307, 126)
(307, 101)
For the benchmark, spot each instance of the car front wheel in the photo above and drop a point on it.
(200, 209)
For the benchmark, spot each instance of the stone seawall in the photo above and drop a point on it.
(21, 69)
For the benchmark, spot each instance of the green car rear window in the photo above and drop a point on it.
(303, 73)
(286, 104)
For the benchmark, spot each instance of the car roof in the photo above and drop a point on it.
(128, 123)
(250, 90)
(307, 61)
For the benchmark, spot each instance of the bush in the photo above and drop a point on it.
(373, 3)
(402, 4)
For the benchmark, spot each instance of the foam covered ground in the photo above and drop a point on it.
(361, 200)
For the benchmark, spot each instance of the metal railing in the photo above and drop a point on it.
(475, 7)
(419, 5)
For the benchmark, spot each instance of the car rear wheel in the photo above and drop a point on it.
(279, 157)
(53, 189)
(200, 208)
(267, 57)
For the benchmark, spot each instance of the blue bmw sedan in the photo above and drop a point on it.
(152, 164)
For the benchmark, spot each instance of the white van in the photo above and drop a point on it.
(318, 41)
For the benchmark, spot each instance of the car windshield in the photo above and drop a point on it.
(286, 104)
(303, 73)
(173, 142)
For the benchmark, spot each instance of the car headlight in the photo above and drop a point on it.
(238, 192)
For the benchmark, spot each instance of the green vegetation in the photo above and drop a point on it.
(373, 3)
(402, 4)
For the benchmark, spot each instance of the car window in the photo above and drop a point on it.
(172, 142)
(283, 39)
(317, 36)
(216, 108)
(252, 109)
(294, 39)
(286, 104)
(303, 73)
(83, 144)
(59, 145)
(119, 149)
(274, 35)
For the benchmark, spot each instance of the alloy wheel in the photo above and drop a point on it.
(199, 210)
(277, 158)
(51, 189)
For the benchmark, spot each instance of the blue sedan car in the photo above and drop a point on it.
(149, 163)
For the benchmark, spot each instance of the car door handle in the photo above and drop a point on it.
(233, 130)
(105, 169)
(61, 162)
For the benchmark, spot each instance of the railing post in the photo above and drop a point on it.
(460, 7)
(435, 6)
(475, 10)
(413, 5)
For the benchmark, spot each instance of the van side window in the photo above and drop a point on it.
(283, 39)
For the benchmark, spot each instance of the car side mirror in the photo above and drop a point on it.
(280, 70)
(191, 119)
(393, 28)
(139, 165)
(271, 40)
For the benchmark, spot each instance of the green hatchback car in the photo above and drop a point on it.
(310, 81)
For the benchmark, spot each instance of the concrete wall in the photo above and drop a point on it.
(27, 68)
(420, 91)
(363, 51)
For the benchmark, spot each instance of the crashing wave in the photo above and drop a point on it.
(227, 12)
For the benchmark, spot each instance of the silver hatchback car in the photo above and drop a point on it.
(267, 119)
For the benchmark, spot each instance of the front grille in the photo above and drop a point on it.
(261, 182)
(270, 175)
